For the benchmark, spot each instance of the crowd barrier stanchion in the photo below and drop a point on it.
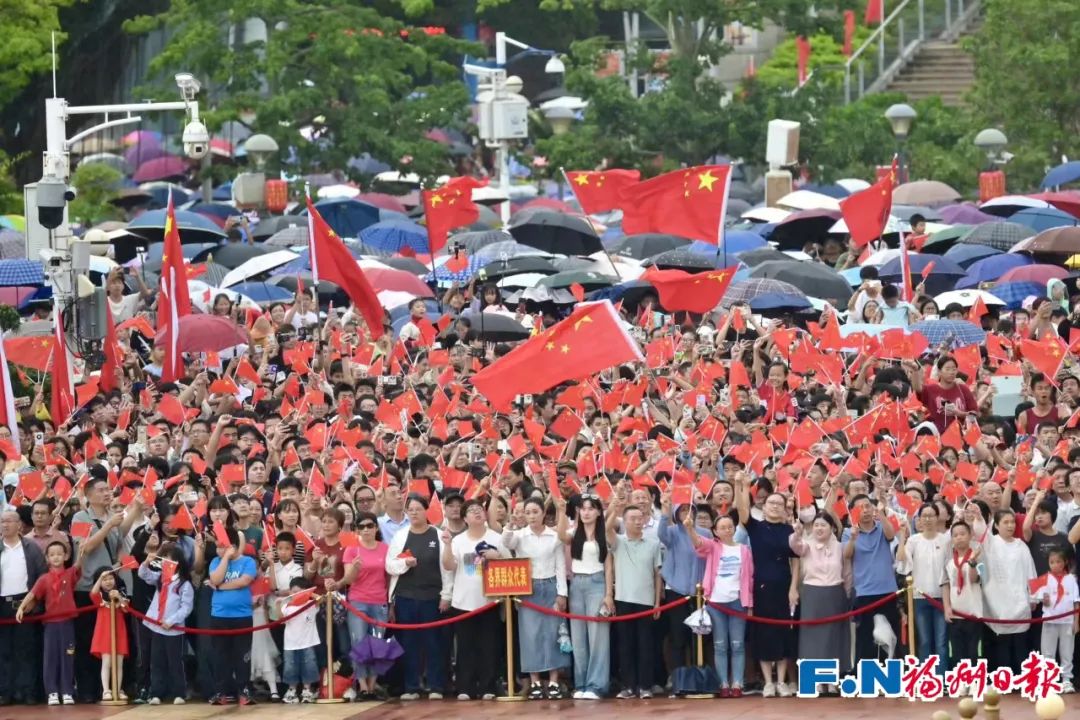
(912, 645)
(511, 693)
(114, 659)
(329, 699)
(699, 594)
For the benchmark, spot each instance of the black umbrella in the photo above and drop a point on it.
(682, 260)
(271, 225)
(474, 240)
(814, 279)
(802, 227)
(233, 255)
(752, 258)
(514, 266)
(408, 264)
(496, 327)
(557, 232)
(587, 280)
(646, 245)
(328, 291)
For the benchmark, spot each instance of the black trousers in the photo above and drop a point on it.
(20, 654)
(167, 677)
(679, 636)
(87, 667)
(635, 647)
(964, 636)
(143, 635)
(478, 639)
(233, 655)
(1006, 650)
(865, 648)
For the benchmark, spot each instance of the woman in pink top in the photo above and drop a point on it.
(728, 581)
(365, 574)
(824, 574)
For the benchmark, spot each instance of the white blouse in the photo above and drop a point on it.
(589, 564)
(544, 550)
(1009, 568)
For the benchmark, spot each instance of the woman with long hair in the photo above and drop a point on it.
(592, 583)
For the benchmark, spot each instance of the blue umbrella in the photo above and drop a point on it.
(1013, 294)
(392, 235)
(942, 277)
(222, 192)
(1039, 219)
(262, 292)
(776, 301)
(964, 254)
(1062, 174)
(15, 272)
(735, 241)
(959, 333)
(763, 229)
(347, 217)
(991, 268)
(446, 276)
(852, 276)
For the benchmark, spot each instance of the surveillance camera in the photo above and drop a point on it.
(70, 194)
(554, 66)
(189, 86)
(55, 261)
(52, 196)
(196, 140)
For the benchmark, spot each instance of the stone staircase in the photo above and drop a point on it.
(941, 68)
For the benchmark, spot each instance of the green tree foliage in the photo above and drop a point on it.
(96, 185)
(1026, 83)
(26, 52)
(360, 79)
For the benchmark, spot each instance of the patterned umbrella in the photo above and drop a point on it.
(12, 244)
(444, 275)
(392, 235)
(290, 236)
(1001, 235)
(682, 259)
(14, 272)
(646, 245)
(958, 333)
(473, 241)
(746, 290)
(813, 279)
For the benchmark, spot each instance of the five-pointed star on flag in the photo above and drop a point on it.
(582, 179)
(580, 321)
(706, 180)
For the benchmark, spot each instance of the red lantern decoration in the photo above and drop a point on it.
(277, 195)
(991, 185)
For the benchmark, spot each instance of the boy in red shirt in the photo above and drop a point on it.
(57, 589)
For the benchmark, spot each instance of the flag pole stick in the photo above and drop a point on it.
(606, 254)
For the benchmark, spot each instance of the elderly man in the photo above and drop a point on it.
(21, 564)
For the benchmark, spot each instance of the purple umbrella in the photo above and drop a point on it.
(966, 214)
(378, 653)
(161, 168)
(136, 155)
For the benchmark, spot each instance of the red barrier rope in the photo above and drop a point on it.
(230, 631)
(815, 621)
(601, 618)
(995, 621)
(46, 617)
(417, 626)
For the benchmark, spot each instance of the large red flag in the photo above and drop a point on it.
(589, 340)
(696, 293)
(174, 302)
(1046, 355)
(867, 212)
(689, 202)
(449, 207)
(599, 191)
(331, 260)
(114, 354)
(62, 403)
(8, 415)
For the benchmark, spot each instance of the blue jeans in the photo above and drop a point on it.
(420, 645)
(360, 628)
(300, 667)
(931, 632)
(591, 640)
(729, 643)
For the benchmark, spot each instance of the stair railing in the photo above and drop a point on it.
(897, 40)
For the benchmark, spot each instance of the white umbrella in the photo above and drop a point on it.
(488, 194)
(622, 267)
(894, 225)
(258, 265)
(370, 263)
(853, 185)
(882, 256)
(393, 176)
(391, 299)
(966, 298)
(1014, 201)
(336, 191)
(766, 214)
(101, 264)
(808, 200)
(521, 280)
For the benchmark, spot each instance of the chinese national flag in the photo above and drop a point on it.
(114, 354)
(696, 293)
(867, 211)
(599, 192)
(1047, 356)
(331, 260)
(449, 207)
(690, 203)
(591, 339)
(174, 302)
(9, 416)
(62, 404)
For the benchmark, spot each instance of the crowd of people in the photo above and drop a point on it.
(313, 460)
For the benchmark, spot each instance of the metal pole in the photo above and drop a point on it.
(114, 660)
(911, 615)
(511, 694)
(329, 699)
(699, 592)
(502, 157)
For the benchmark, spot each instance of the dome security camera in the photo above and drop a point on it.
(196, 140)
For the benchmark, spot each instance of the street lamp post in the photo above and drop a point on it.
(991, 141)
(901, 117)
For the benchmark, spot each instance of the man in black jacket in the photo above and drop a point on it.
(21, 564)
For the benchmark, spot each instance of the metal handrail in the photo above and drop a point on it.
(877, 36)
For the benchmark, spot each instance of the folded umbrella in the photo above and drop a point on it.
(206, 333)
(377, 653)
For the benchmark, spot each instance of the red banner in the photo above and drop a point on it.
(508, 577)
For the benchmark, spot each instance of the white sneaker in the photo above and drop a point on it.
(1067, 688)
(290, 697)
(410, 696)
(179, 701)
(783, 690)
(463, 696)
(54, 699)
(68, 700)
(434, 696)
(589, 695)
(154, 701)
(106, 695)
(307, 696)
(488, 696)
(578, 694)
(349, 695)
(768, 691)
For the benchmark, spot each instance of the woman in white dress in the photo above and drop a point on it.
(1009, 568)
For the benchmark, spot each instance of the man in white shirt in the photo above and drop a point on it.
(21, 564)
